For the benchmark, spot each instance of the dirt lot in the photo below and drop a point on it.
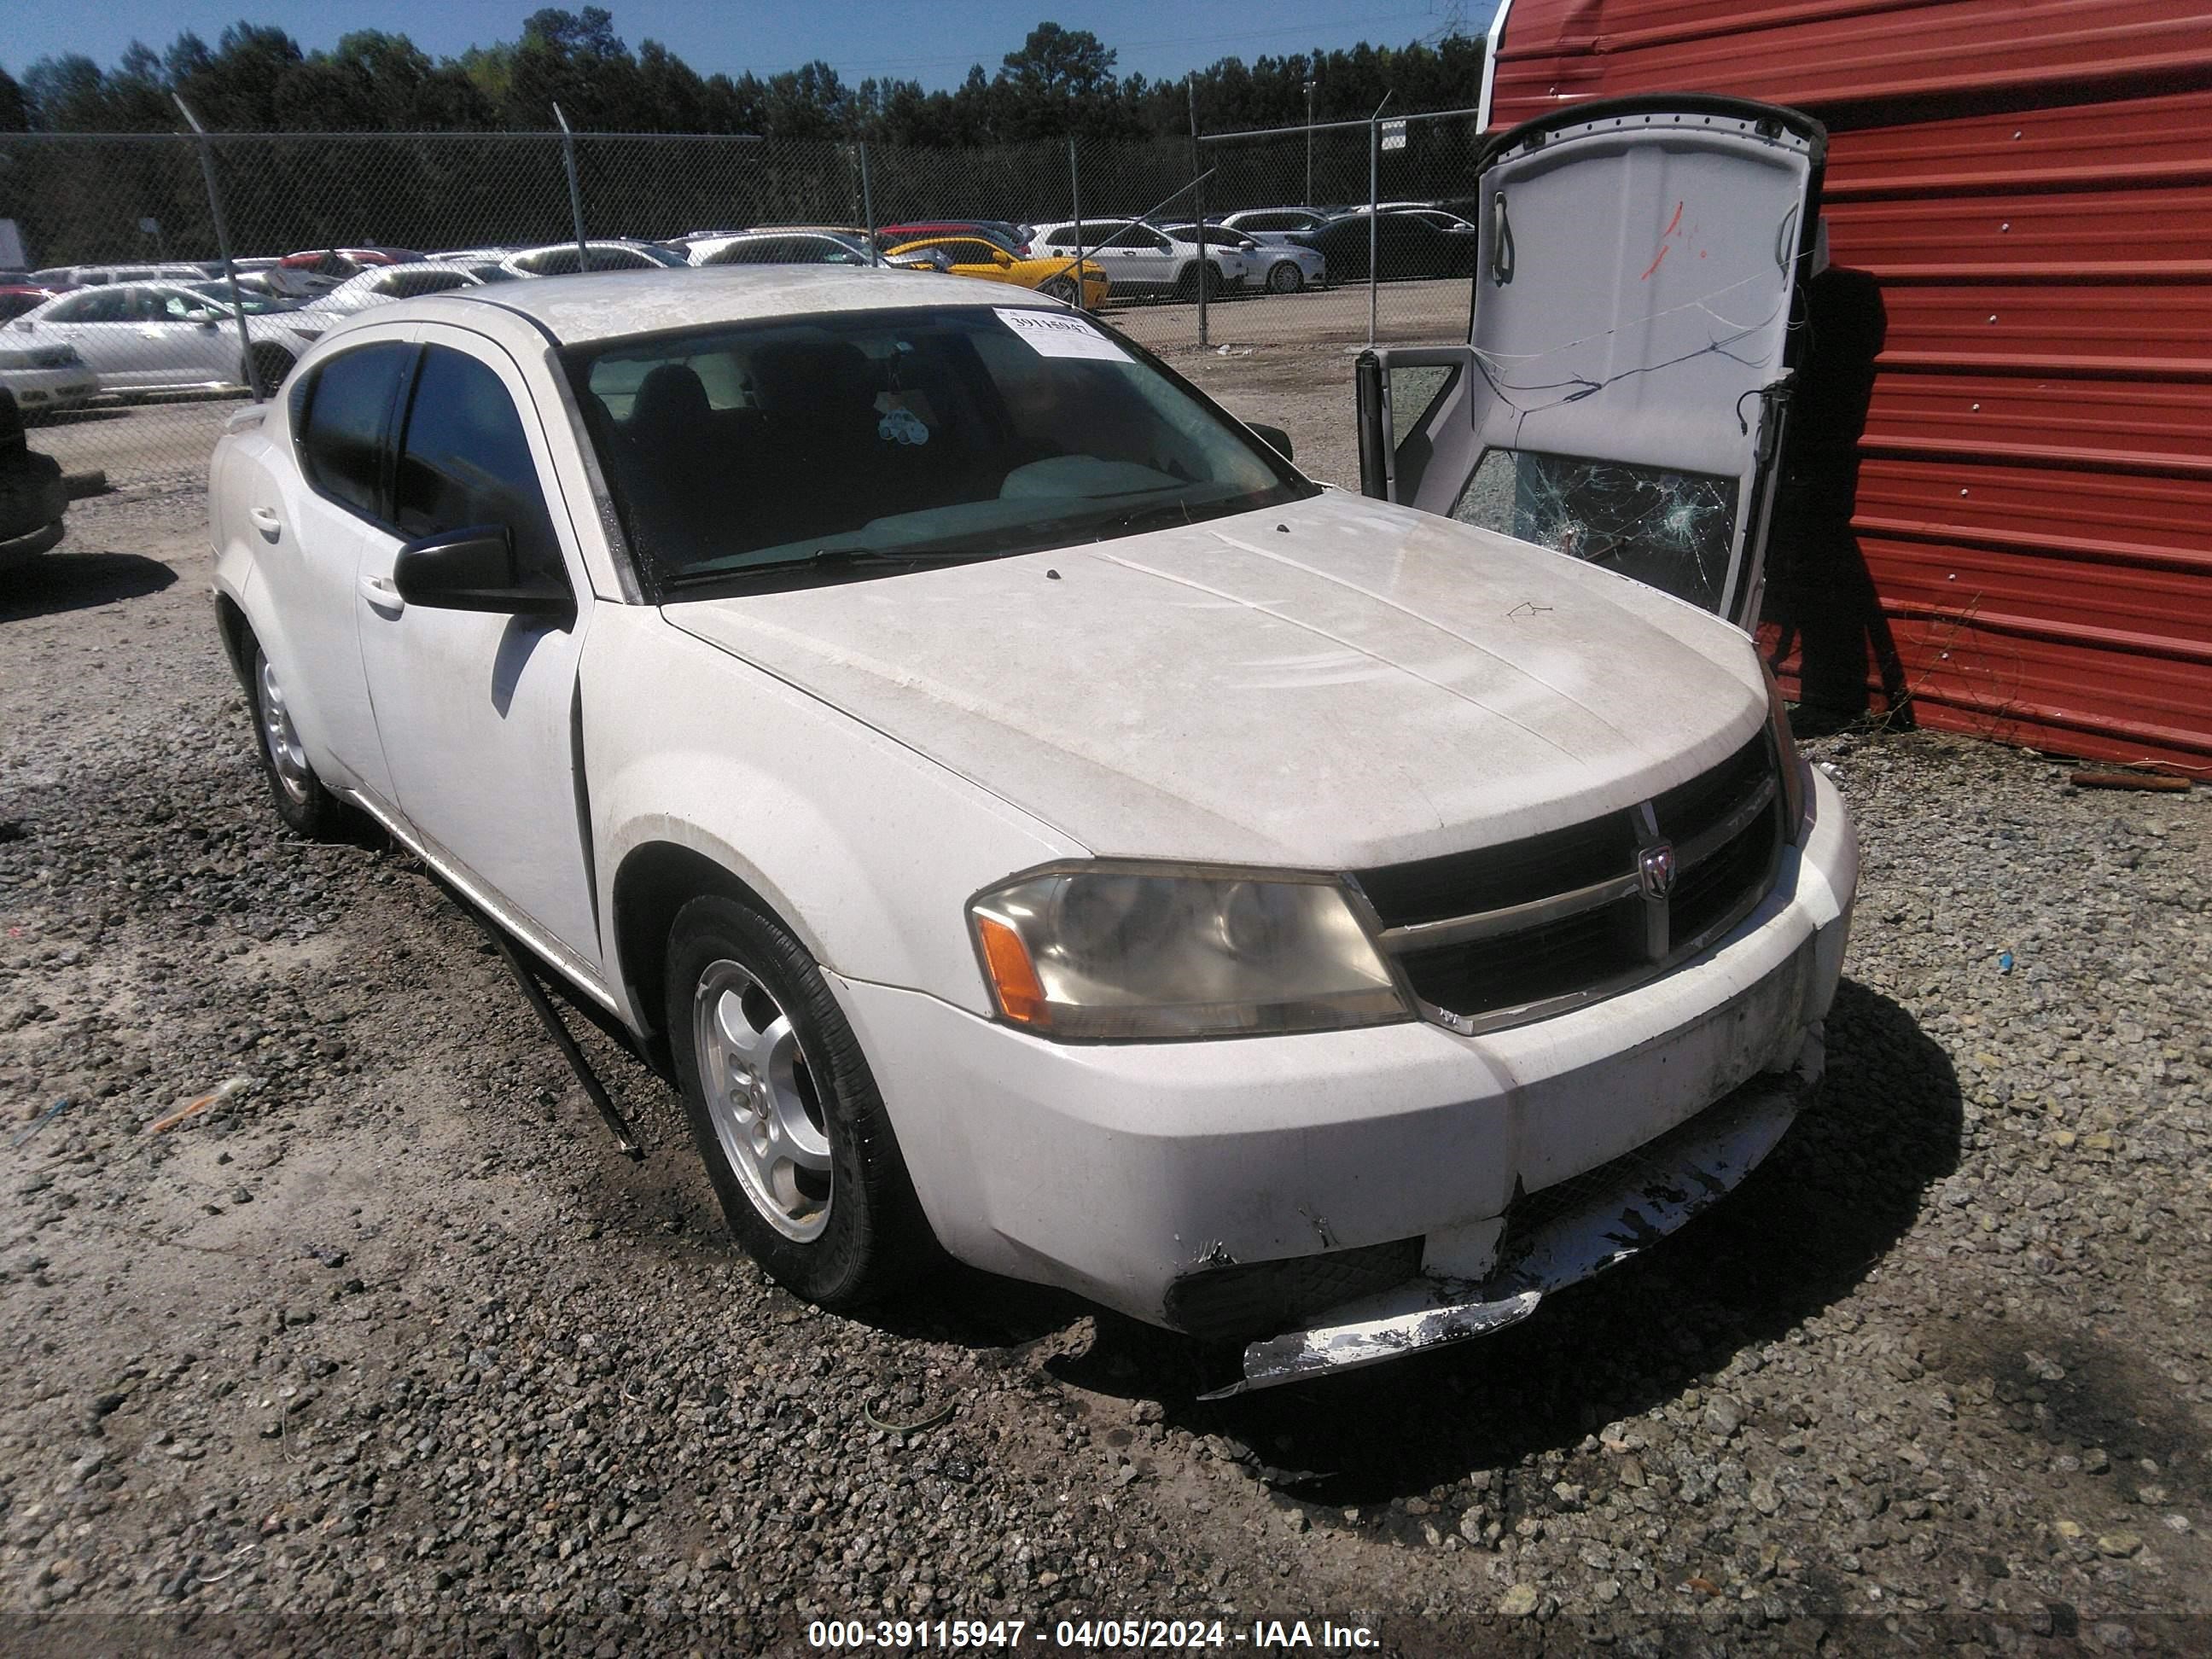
(390, 1348)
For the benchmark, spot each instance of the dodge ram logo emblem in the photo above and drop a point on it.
(1655, 869)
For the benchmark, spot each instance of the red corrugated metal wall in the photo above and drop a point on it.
(2030, 182)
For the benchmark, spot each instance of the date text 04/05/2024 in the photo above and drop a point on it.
(1262, 1636)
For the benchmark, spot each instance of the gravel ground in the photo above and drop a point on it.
(390, 1348)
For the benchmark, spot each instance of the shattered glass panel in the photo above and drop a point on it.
(1673, 530)
(1414, 393)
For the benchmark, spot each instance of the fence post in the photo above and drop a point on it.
(576, 191)
(868, 208)
(206, 146)
(1374, 213)
(1198, 205)
(1075, 202)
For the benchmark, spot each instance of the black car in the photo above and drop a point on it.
(31, 497)
(1407, 244)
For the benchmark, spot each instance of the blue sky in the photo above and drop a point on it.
(932, 44)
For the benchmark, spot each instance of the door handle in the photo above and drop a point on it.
(266, 521)
(381, 593)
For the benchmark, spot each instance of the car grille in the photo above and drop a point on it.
(1504, 935)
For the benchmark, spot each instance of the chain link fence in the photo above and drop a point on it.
(133, 369)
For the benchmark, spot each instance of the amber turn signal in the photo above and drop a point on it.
(1021, 996)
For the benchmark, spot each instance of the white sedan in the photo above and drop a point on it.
(1025, 815)
(163, 337)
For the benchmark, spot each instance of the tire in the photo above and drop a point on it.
(1285, 278)
(1061, 289)
(299, 798)
(1187, 284)
(785, 1111)
(272, 363)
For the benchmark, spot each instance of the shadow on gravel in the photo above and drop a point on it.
(56, 582)
(1839, 1192)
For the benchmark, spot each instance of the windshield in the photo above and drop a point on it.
(832, 447)
(256, 302)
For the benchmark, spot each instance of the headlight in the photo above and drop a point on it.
(1785, 750)
(1145, 952)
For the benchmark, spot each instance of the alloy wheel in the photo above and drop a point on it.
(762, 1099)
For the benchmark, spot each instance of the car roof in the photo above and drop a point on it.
(612, 305)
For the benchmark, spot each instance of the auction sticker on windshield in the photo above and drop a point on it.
(1054, 334)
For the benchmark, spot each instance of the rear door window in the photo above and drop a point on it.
(465, 460)
(342, 418)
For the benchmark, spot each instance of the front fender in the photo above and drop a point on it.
(865, 850)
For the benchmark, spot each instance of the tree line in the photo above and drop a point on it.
(258, 79)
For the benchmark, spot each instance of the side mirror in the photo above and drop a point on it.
(1002, 260)
(1275, 438)
(476, 569)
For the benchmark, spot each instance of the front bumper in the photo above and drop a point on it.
(1137, 1174)
(1582, 1227)
(41, 390)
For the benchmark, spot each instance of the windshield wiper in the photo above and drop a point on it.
(821, 559)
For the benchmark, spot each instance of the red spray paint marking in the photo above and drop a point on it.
(1672, 225)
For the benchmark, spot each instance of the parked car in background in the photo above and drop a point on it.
(58, 276)
(44, 377)
(1015, 239)
(974, 256)
(258, 301)
(242, 266)
(561, 258)
(806, 247)
(1141, 258)
(17, 298)
(317, 270)
(160, 336)
(389, 283)
(33, 502)
(1283, 267)
(1255, 221)
(741, 647)
(1442, 218)
(1408, 245)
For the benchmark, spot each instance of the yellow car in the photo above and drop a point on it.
(972, 256)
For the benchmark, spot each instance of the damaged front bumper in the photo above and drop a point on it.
(1558, 1238)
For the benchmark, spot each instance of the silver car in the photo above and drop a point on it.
(384, 284)
(160, 336)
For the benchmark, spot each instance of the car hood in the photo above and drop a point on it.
(1336, 682)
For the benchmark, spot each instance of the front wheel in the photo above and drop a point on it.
(1285, 278)
(1060, 288)
(785, 1111)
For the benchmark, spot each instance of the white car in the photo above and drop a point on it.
(381, 284)
(162, 337)
(95, 275)
(45, 378)
(561, 259)
(1280, 267)
(1142, 258)
(1025, 815)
